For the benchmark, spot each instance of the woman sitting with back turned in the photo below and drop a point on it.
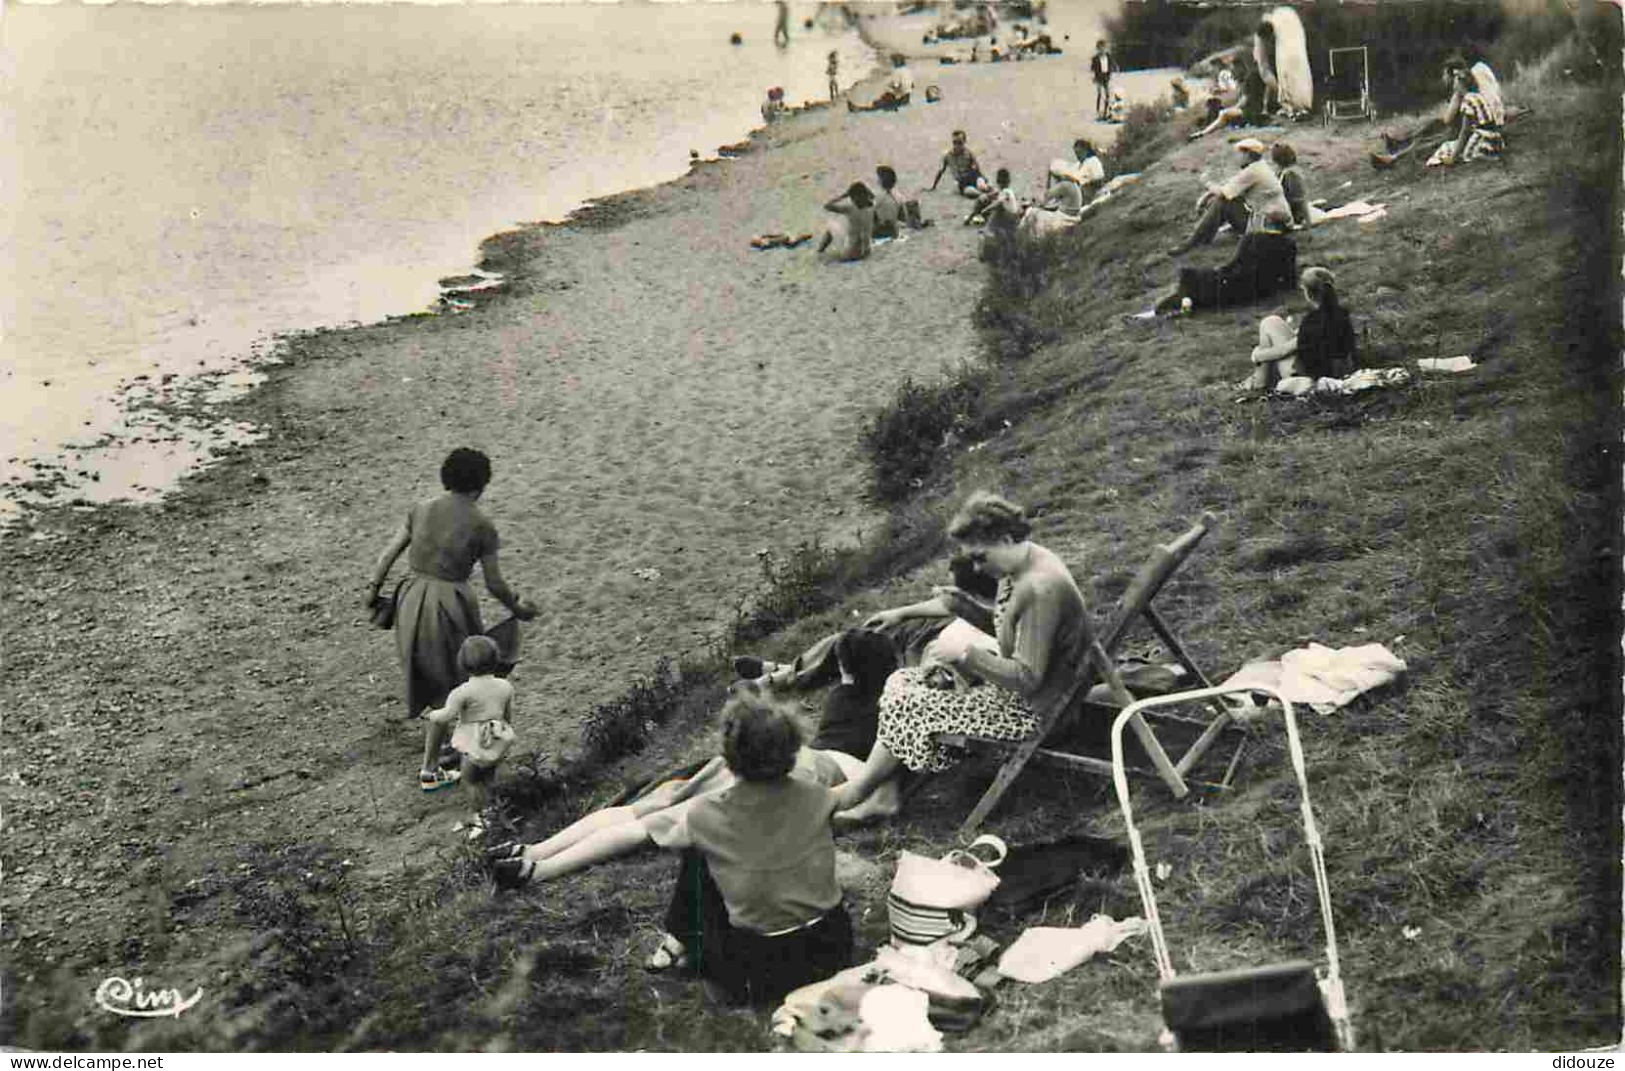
(757, 907)
(1040, 627)
(1322, 346)
(856, 207)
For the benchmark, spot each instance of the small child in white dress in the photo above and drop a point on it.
(479, 713)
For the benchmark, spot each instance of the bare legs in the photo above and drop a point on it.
(878, 768)
(607, 841)
(1273, 332)
(1226, 116)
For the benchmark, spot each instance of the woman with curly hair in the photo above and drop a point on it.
(757, 907)
(1040, 625)
(435, 609)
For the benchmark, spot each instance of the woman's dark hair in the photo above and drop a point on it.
(860, 195)
(887, 177)
(868, 656)
(478, 655)
(759, 740)
(1283, 154)
(1001, 177)
(465, 471)
(987, 518)
(969, 578)
(1321, 285)
(1083, 147)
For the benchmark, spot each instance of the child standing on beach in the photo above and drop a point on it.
(479, 713)
(832, 70)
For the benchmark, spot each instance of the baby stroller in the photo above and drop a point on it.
(1292, 1006)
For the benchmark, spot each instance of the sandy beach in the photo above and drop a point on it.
(660, 402)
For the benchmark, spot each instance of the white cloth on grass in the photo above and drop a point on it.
(1324, 678)
(1045, 952)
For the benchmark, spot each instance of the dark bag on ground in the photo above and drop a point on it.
(1255, 1009)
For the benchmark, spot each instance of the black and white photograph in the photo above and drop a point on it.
(611, 526)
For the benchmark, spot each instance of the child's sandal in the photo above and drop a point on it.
(437, 779)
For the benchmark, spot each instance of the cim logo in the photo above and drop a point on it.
(123, 997)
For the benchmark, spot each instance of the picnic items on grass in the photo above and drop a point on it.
(1045, 952)
(1032, 872)
(838, 1014)
(934, 898)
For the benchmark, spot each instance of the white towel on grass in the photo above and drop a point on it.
(1324, 678)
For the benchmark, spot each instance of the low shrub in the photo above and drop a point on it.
(623, 725)
(1147, 133)
(905, 440)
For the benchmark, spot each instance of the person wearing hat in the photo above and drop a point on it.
(1251, 201)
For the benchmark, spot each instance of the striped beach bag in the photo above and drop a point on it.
(933, 899)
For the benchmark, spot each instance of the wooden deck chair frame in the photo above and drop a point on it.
(1095, 663)
(1248, 990)
(1349, 107)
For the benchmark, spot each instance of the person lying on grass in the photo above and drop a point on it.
(757, 907)
(1322, 345)
(479, 713)
(1040, 624)
(1266, 262)
(900, 636)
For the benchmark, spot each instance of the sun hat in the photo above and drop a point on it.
(1252, 145)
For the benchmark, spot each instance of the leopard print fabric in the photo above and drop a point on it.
(911, 711)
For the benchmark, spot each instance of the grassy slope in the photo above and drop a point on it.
(1470, 515)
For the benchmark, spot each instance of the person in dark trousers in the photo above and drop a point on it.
(781, 29)
(1100, 67)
